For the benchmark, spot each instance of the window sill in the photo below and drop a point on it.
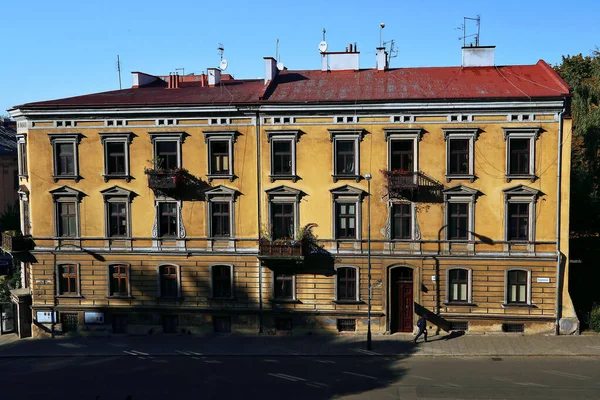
(293, 177)
(518, 305)
(211, 177)
(75, 178)
(69, 296)
(285, 301)
(120, 297)
(108, 177)
(348, 302)
(510, 177)
(353, 177)
(459, 304)
(469, 177)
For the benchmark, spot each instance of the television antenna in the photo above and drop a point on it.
(119, 70)
(182, 70)
(393, 53)
(381, 26)
(221, 50)
(463, 28)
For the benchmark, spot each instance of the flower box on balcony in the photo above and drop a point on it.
(280, 249)
(14, 242)
(163, 179)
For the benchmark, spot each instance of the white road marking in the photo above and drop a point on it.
(71, 345)
(453, 385)
(325, 361)
(530, 384)
(213, 362)
(421, 377)
(568, 375)
(286, 377)
(129, 352)
(140, 353)
(371, 353)
(194, 353)
(361, 375)
(312, 385)
(182, 352)
(501, 379)
(196, 358)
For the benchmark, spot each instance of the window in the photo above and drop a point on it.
(401, 155)
(520, 152)
(459, 212)
(26, 220)
(22, 155)
(66, 211)
(282, 219)
(459, 157)
(116, 155)
(117, 210)
(402, 221)
(222, 281)
(66, 163)
(282, 157)
(458, 285)
(167, 149)
(220, 203)
(119, 280)
(517, 287)
(519, 210)
(283, 212)
(283, 154)
(347, 284)
(169, 281)
(220, 154)
(68, 279)
(346, 153)
(284, 286)
(347, 212)
(460, 143)
(167, 216)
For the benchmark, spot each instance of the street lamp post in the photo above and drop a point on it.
(368, 178)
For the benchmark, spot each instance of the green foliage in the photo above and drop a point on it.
(11, 281)
(595, 318)
(583, 74)
(10, 220)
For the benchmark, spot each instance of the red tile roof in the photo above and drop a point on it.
(315, 86)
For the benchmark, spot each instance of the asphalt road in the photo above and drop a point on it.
(194, 376)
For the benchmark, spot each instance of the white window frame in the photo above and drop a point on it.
(22, 156)
(291, 136)
(357, 294)
(462, 195)
(413, 217)
(469, 300)
(66, 194)
(354, 135)
(156, 228)
(221, 194)
(294, 288)
(178, 137)
(506, 296)
(392, 134)
(521, 133)
(109, 276)
(470, 134)
(284, 195)
(70, 138)
(159, 283)
(113, 195)
(125, 139)
(231, 281)
(524, 195)
(228, 136)
(347, 195)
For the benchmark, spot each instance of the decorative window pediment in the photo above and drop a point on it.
(396, 133)
(348, 191)
(222, 192)
(66, 191)
(284, 191)
(221, 134)
(180, 136)
(522, 190)
(117, 191)
(355, 133)
(462, 192)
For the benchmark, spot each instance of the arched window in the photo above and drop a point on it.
(119, 280)
(347, 284)
(517, 287)
(459, 285)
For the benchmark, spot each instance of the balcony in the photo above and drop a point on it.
(412, 185)
(163, 180)
(14, 242)
(280, 250)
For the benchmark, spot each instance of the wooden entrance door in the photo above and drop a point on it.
(401, 300)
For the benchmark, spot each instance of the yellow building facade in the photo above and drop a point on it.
(207, 204)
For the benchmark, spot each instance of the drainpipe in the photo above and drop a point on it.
(259, 214)
(558, 214)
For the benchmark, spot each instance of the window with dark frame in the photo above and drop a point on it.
(115, 158)
(117, 219)
(169, 281)
(67, 219)
(167, 219)
(283, 286)
(458, 281)
(119, 280)
(166, 153)
(519, 153)
(458, 221)
(401, 221)
(22, 158)
(345, 220)
(518, 221)
(282, 220)
(282, 157)
(65, 159)
(401, 155)
(221, 282)
(219, 157)
(68, 279)
(220, 219)
(26, 221)
(459, 157)
(517, 287)
(346, 284)
(345, 157)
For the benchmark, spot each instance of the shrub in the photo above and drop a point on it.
(595, 318)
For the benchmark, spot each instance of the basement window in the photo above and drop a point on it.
(346, 325)
(222, 324)
(283, 324)
(513, 328)
(459, 326)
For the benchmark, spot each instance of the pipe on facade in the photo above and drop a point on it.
(558, 222)
(258, 198)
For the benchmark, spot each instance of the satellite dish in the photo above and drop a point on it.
(223, 65)
(280, 66)
(323, 46)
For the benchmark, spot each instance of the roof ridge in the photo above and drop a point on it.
(554, 75)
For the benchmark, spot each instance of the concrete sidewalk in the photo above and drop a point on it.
(351, 345)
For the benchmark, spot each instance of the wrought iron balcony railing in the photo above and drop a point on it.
(409, 184)
(163, 179)
(291, 249)
(15, 243)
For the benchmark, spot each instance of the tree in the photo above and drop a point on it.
(583, 74)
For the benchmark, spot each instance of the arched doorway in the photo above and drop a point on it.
(401, 299)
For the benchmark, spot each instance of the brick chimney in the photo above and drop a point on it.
(173, 82)
(214, 76)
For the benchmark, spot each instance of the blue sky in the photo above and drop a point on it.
(62, 48)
